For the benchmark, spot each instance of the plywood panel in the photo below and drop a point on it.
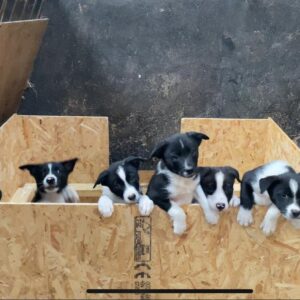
(19, 44)
(240, 143)
(49, 254)
(280, 146)
(35, 139)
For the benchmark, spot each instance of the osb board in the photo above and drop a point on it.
(35, 139)
(59, 251)
(240, 143)
(280, 146)
(19, 44)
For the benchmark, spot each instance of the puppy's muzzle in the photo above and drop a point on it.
(220, 206)
(51, 181)
(295, 213)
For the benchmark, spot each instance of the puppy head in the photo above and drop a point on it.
(284, 192)
(51, 177)
(122, 179)
(180, 152)
(217, 184)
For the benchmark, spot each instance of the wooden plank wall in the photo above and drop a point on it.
(280, 146)
(35, 139)
(240, 143)
(58, 251)
(19, 44)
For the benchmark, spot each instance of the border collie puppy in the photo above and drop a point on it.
(217, 186)
(52, 181)
(175, 180)
(121, 183)
(275, 185)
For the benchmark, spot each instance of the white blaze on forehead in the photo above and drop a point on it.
(50, 169)
(129, 189)
(220, 180)
(181, 143)
(293, 186)
(121, 174)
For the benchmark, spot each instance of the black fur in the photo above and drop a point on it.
(61, 170)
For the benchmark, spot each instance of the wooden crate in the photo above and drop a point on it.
(61, 250)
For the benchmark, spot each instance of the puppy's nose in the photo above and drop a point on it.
(295, 213)
(220, 206)
(50, 180)
(132, 197)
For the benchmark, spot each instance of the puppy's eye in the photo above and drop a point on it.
(285, 196)
(174, 157)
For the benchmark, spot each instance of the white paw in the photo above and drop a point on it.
(296, 223)
(179, 227)
(146, 205)
(235, 201)
(212, 217)
(268, 227)
(105, 206)
(244, 217)
(70, 195)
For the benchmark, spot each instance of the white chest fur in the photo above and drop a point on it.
(52, 198)
(181, 189)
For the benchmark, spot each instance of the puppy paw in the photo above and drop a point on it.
(212, 217)
(296, 223)
(179, 227)
(244, 217)
(235, 201)
(268, 227)
(105, 206)
(146, 205)
(70, 195)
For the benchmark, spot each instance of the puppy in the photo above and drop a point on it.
(217, 185)
(275, 185)
(175, 180)
(52, 181)
(121, 183)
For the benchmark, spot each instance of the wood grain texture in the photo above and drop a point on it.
(36, 139)
(240, 143)
(280, 146)
(19, 44)
(58, 251)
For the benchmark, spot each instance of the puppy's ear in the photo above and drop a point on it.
(69, 164)
(102, 179)
(134, 161)
(266, 182)
(203, 171)
(32, 168)
(159, 150)
(234, 172)
(197, 136)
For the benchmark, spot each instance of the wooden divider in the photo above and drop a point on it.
(19, 44)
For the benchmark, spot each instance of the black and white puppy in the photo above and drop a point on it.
(175, 179)
(121, 183)
(217, 185)
(52, 181)
(275, 185)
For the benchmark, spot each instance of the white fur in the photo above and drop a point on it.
(180, 189)
(181, 143)
(235, 201)
(146, 205)
(129, 189)
(218, 196)
(211, 216)
(50, 175)
(68, 194)
(269, 223)
(294, 206)
(178, 217)
(105, 206)
(244, 216)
